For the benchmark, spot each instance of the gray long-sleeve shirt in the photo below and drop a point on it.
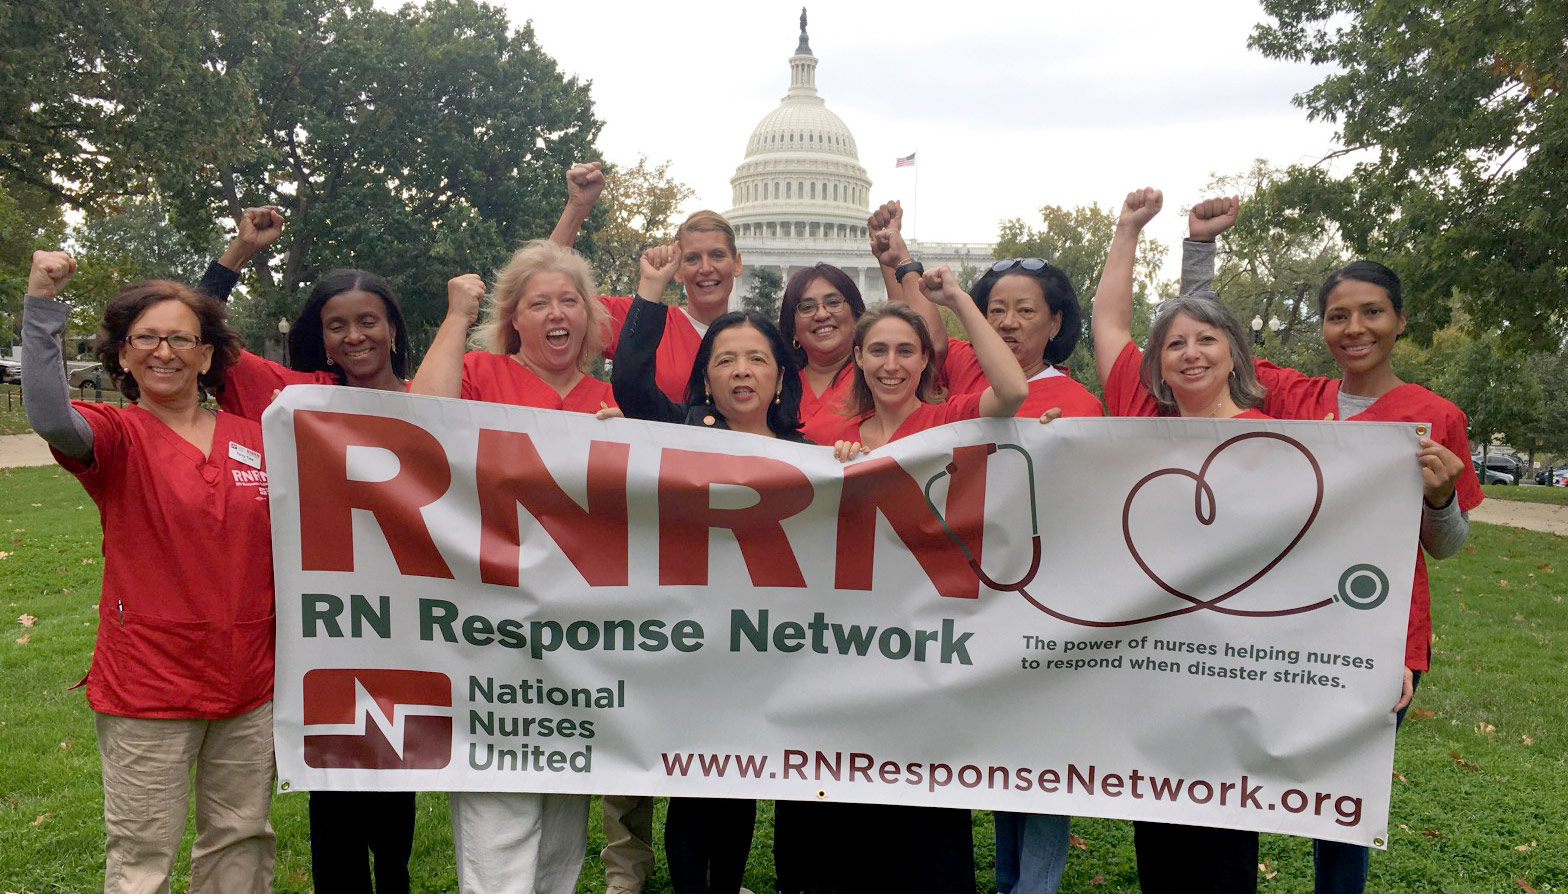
(44, 387)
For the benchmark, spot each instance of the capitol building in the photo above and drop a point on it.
(801, 195)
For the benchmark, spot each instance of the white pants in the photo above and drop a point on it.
(518, 842)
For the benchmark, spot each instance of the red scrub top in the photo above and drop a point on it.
(185, 621)
(1046, 392)
(677, 349)
(1294, 395)
(249, 383)
(960, 407)
(1126, 396)
(500, 379)
(822, 415)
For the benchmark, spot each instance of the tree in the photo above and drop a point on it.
(29, 220)
(767, 288)
(1457, 112)
(1077, 240)
(639, 205)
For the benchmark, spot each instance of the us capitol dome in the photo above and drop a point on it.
(801, 195)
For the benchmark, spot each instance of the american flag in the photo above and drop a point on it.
(907, 161)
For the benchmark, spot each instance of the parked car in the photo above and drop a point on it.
(89, 378)
(1491, 476)
(10, 371)
(1507, 464)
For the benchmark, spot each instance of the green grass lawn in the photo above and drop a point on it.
(1526, 494)
(12, 420)
(1480, 795)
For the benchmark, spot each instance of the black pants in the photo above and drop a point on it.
(346, 828)
(827, 848)
(1195, 859)
(706, 843)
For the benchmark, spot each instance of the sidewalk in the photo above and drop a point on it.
(24, 450)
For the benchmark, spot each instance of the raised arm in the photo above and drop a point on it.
(44, 389)
(258, 229)
(1008, 387)
(584, 183)
(1111, 321)
(1205, 222)
(887, 243)
(441, 372)
(636, 357)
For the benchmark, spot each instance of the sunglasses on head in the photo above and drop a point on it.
(1027, 263)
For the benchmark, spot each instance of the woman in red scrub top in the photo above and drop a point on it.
(350, 332)
(817, 317)
(1363, 315)
(540, 334)
(181, 674)
(1198, 364)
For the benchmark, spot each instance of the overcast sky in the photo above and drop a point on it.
(1010, 105)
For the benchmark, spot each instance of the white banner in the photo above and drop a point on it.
(1194, 621)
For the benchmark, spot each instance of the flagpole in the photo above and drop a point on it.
(916, 209)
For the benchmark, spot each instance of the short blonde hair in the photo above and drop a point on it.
(496, 333)
(708, 222)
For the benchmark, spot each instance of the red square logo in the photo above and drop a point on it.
(378, 719)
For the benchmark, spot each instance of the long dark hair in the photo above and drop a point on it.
(123, 309)
(308, 351)
(1060, 298)
(784, 416)
(796, 287)
(1368, 272)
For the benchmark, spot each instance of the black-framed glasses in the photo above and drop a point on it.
(1030, 264)
(834, 303)
(146, 341)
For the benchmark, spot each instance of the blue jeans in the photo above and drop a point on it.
(1341, 868)
(1031, 852)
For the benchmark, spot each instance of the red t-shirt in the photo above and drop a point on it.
(185, 622)
(677, 349)
(964, 376)
(249, 383)
(500, 379)
(822, 415)
(1294, 395)
(954, 409)
(1126, 396)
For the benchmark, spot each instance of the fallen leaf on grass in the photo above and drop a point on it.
(1462, 762)
(1544, 566)
(66, 745)
(1525, 885)
(1485, 729)
(38, 505)
(1422, 713)
(1431, 833)
(1266, 870)
(1469, 548)
(27, 620)
(1097, 880)
(1527, 740)
(4, 555)
(1075, 841)
(24, 639)
(1527, 847)
(1399, 777)
(1518, 616)
(42, 818)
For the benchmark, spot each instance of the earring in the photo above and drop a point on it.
(330, 361)
(778, 395)
(394, 347)
(795, 343)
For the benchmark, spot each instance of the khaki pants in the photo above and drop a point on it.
(146, 793)
(628, 842)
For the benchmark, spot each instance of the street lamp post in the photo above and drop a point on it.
(283, 330)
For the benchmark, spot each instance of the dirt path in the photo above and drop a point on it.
(24, 450)
(1534, 516)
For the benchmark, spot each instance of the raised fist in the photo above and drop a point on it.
(584, 183)
(1140, 207)
(51, 271)
(656, 269)
(1212, 217)
(463, 294)
(941, 287)
(260, 227)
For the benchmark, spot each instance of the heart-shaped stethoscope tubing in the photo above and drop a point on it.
(1034, 523)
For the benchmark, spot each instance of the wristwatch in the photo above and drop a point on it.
(907, 268)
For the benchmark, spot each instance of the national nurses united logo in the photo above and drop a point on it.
(366, 718)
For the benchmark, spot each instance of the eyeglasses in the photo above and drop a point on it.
(1007, 264)
(834, 303)
(146, 341)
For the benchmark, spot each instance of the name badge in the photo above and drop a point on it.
(241, 453)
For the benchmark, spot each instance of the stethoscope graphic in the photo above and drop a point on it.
(1361, 586)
